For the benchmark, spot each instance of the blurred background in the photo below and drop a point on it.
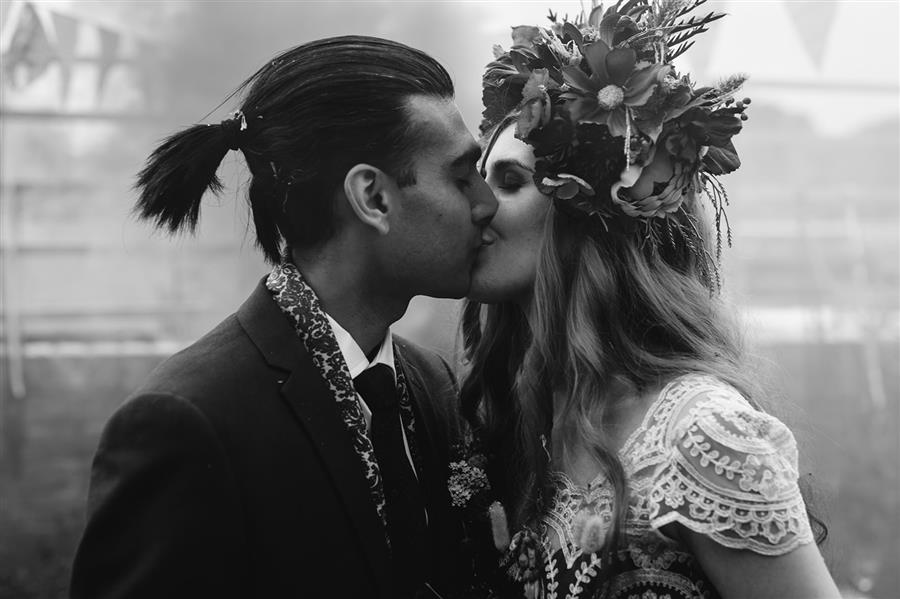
(92, 300)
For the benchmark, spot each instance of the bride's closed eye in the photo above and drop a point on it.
(509, 176)
(512, 181)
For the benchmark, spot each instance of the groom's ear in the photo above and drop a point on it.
(371, 194)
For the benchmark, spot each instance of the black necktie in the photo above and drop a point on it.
(403, 497)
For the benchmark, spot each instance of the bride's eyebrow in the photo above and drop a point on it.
(505, 163)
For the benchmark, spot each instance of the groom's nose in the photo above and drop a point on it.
(484, 204)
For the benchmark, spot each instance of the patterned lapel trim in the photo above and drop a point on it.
(299, 302)
(407, 415)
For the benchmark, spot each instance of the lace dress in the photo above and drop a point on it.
(703, 457)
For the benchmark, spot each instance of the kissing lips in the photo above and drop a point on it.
(488, 237)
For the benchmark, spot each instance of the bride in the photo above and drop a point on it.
(606, 381)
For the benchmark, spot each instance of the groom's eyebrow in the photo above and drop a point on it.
(469, 157)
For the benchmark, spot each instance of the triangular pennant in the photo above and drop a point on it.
(813, 21)
(66, 41)
(10, 14)
(6, 11)
(109, 54)
(30, 50)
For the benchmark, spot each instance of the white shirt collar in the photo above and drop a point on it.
(357, 362)
(355, 357)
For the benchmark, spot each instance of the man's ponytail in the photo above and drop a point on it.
(179, 172)
(313, 112)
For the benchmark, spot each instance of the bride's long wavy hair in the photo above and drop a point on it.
(611, 318)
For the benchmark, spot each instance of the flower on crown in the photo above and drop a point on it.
(615, 129)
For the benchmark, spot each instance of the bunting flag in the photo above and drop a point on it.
(813, 21)
(109, 51)
(34, 37)
(31, 48)
(5, 11)
(66, 39)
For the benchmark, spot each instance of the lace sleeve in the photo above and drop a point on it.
(731, 473)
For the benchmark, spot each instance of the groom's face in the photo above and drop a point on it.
(437, 233)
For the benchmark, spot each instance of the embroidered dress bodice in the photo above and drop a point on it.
(703, 457)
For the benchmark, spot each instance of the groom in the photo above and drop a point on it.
(299, 449)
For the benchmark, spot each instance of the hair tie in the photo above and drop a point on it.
(232, 129)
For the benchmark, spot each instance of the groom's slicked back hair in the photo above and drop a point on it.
(311, 114)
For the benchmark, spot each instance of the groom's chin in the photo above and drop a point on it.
(498, 287)
(483, 287)
(457, 288)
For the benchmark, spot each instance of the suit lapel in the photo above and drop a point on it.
(312, 403)
(432, 443)
(425, 440)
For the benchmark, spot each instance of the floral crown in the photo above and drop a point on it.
(606, 113)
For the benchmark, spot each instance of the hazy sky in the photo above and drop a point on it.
(835, 61)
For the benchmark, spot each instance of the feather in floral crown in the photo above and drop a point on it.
(602, 106)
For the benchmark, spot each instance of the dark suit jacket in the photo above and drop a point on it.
(230, 473)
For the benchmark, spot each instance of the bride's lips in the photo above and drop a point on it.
(488, 237)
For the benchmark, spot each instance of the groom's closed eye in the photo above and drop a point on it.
(466, 161)
(463, 167)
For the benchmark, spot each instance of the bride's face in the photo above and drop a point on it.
(505, 268)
